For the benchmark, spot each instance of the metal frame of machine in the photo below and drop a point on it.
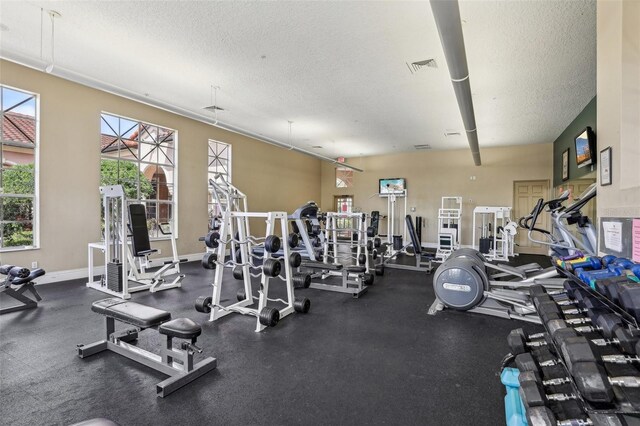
(449, 226)
(498, 226)
(118, 273)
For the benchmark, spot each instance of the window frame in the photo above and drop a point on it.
(36, 175)
(347, 184)
(174, 201)
(228, 176)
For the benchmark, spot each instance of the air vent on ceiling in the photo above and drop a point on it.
(213, 108)
(418, 65)
(423, 146)
(448, 133)
(316, 146)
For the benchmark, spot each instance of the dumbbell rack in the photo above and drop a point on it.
(227, 238)
(629, 319)
(627, 399)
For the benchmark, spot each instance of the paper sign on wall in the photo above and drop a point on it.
(635, 240)
(612, 235)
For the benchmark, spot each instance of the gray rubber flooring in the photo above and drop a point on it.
(379, 359)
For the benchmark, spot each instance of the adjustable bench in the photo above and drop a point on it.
(174, 362)
(20, 280)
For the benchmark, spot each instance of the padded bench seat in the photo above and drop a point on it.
(181, 328)
(131, 312)
(356, 269)
(321, 265)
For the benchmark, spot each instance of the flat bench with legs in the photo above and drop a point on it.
(174, 362)
(18, 282)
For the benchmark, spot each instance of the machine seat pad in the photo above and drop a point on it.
(35, 273)
(356, 269)
(133, 313)
(321, 265)
(181, 328)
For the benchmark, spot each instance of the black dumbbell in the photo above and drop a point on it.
(590, 378)
(534, 395)
(295, 259)
(606, 323)
(525, 362)
(627, 340)
(583, 299)
(520, 343)
(594, 384)
(543, 416)
(293, 240)
(624, 338)
(272, 243)
(550, 311)
(301, 280)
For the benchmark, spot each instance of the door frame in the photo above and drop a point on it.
(547, 188)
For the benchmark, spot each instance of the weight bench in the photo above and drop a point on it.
(355, 281)
(20, 280)
(174, 362)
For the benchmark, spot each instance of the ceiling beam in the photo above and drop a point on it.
(447, 16)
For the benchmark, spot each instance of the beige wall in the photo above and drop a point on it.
(618, 88)
(433, 174)
(273, 178)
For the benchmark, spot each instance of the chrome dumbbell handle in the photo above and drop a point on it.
(556, 382)
(620, 359)
(560, 397)
(625, 381)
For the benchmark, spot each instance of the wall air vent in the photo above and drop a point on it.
(424, 146)
(418, 65)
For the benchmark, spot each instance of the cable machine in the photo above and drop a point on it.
(449, 227)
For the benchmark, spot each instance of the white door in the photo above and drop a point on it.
(526, 195)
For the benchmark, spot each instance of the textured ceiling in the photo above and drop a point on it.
(338, 70)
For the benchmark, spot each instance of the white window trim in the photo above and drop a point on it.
(36, 194)
(176, 191)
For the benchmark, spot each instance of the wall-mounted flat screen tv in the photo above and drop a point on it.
(392, 186)
(586, 148)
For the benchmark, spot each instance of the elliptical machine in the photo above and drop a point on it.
(463, 283)
(560, 240)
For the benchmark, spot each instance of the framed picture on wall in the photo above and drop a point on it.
(605, 166)
(565, 165)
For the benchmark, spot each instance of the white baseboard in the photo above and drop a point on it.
(74, 274)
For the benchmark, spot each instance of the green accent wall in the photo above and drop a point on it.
(566, 140)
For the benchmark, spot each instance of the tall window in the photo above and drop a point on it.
(219, 165)
(142, 158)
(18, 171)
(344, 177)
